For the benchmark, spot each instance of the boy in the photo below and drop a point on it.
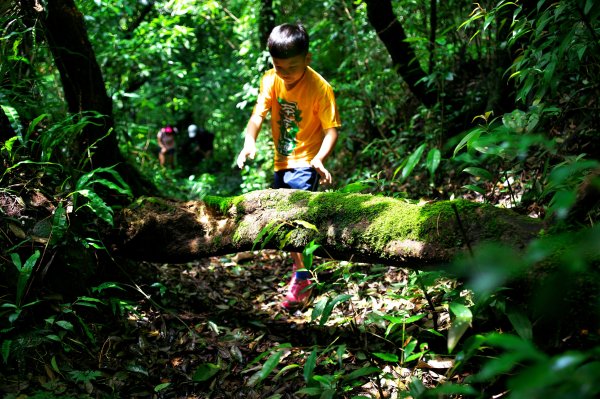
(304, 122)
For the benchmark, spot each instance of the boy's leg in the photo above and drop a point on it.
(302, 179)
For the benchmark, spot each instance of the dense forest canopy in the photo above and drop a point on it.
(468, 129)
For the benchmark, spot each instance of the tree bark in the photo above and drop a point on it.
(357, 227)
(381, 16)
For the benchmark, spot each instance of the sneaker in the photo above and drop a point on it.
(298, 293)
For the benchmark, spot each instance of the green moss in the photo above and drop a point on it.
(346, 209)
(400, 221)
(237, 235)
(222, 203)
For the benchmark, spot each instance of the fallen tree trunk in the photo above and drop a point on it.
(357, 227)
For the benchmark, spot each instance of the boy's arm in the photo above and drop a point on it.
(249, 150)
(327, 146)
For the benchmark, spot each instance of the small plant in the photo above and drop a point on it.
(331, 385)
(86, 188)
(14, 309)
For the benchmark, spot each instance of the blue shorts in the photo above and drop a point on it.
(299, 178)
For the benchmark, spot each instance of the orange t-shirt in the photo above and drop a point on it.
(298, 116)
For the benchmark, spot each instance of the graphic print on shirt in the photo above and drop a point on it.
(289, 117)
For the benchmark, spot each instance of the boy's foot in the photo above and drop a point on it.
(298, 293)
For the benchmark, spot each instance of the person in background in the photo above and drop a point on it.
(197, 147)
(166, 142)
(304, 122)
(202, 142)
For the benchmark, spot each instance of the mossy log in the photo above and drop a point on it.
(357, 227)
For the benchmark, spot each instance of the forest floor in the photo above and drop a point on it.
(215, 329)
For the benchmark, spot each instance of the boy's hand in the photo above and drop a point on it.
(320, 168)
(247, 152)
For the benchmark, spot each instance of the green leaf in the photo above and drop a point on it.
(306, 225)
(500, 365)
(355, 187)
(326, 381)
(475, 188)
(307, 254)
(414, 356)
(513, 343)
(24, 273)
(521, 323)
(136, 368)
(65, 324)
(285, 369)
(409, 348)
(13, 118)
(434, 157)
(478, 172)
(309, 366)
(269, 231)
(318, 309)
(160, 387)
(9, 144)
(340, 355)
(266, 369)
(414, 318)
(388, 357)
(331, 305)
(86, 299)
(107, 285)
(270, 364)
(59, 224)
(54, 364)
(460, 323)
(16, 259)
(205, 372)
(33, 125)
(411, 162)
(361, 372)
(472, 135)
(97, 205)
(6, 350)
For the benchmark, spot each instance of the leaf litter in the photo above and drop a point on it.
(214, 329)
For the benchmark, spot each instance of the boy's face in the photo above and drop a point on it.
(291, 70)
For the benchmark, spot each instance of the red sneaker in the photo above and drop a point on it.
(298, 293)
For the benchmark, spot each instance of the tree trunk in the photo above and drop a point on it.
(266, 21)
(82, 81)
(357, 227)
(382, 18)
(85, 92)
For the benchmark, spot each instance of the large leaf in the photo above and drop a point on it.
(434, 156)
(410, 163)
(467, 140)
(331, 304)
(97, 205)
(59, 224)
(205, 372)
(266, 369)
(309, 366)
(461, 321)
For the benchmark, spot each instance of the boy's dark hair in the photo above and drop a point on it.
(287, 41)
